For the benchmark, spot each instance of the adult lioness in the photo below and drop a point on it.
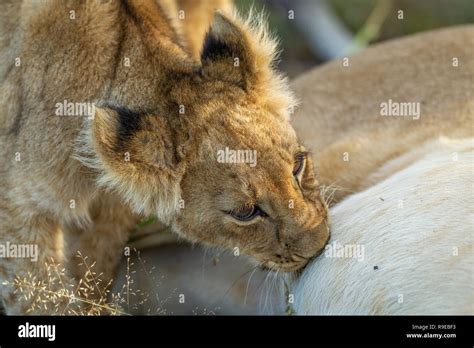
(152, 146)
(403, 243)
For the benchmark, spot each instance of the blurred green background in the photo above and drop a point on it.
(314, 31)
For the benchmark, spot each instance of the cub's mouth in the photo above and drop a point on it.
(294, 261)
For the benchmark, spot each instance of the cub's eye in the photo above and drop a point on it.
(246, 213)
(299, 163)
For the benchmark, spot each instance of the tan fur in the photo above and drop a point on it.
(340, 106)
(152, 144)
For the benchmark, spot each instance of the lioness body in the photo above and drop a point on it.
(401, 240)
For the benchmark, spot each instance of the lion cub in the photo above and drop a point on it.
(106, 119)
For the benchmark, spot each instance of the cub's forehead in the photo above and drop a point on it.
(253, 163)
(241, 112)
(248, 128)
(263, 146)
(264, 132)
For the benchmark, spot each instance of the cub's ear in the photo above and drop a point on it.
(125, 138)
(238, 52)
(136, 155)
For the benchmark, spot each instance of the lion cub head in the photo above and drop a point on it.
(219, 161)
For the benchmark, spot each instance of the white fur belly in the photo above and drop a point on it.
(408, 239)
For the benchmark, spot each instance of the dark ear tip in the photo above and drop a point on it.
(222, 39)
(214, 47)
(128, 123)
